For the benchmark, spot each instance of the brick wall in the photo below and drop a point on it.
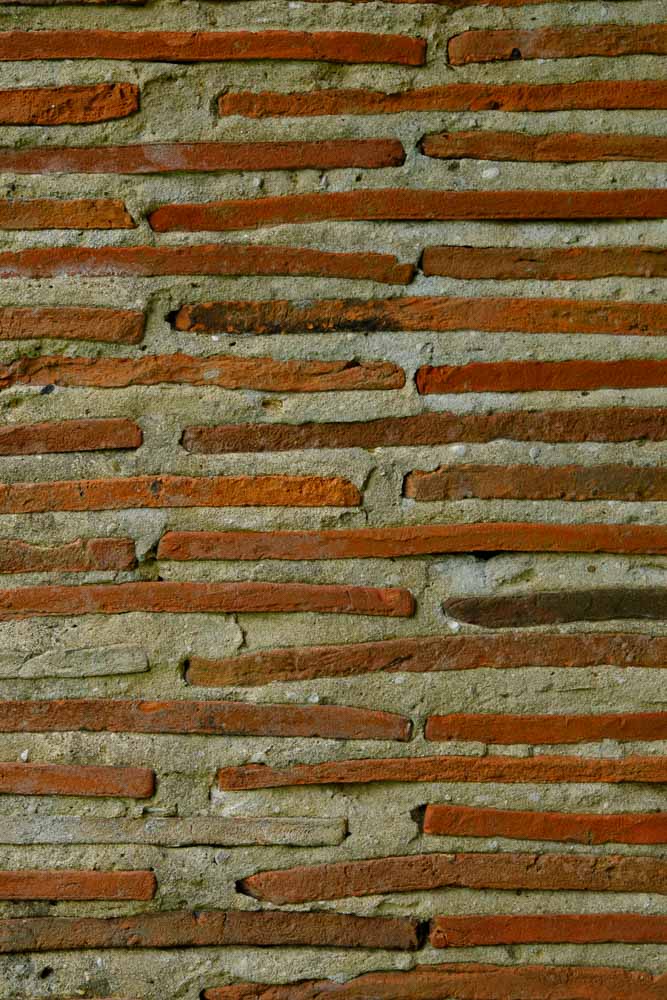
(332, 534)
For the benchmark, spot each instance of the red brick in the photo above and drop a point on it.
(545, 263)
(167, 157)
(207, 598)
(493, 315)
(225, 371)
(582, 95)
(217, 46)
(49, 213)
(202, 258)
(558, 43)
(101, 102)
(611, 424)
(111, 326)
(62, 779)
(212, 928)
(70, 884)
(541, 376)
(534, 482)
(572, 828)
(554, 147)
(417, 872)
(102, 434)
(405, 204)
(178, 491)
(504, 769)
(550, 607)
(541, 729)
(412, 540)
(478, 930)
(80, 556)
(466, 982)
(231, 718)
(423, 654)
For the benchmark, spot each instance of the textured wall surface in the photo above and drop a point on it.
(332, 492)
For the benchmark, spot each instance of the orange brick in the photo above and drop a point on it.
(49, 213)
(604, 40)
(63, 779)
(70, 323)
(99, 102)
(77, 885)
(70, 435)
(542, 729)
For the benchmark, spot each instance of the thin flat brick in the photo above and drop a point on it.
(50, 213)
(605, 40)
(466, 982)
(542, 729)
(504, 769)
(112, 433)
(101, 102)
(224, 371)
(232, 718)
(157, 492)
(412, 540)
(544, 263)
(80, 556)
(170, 597)
(89, 661)
(203, 259)
(550, 607)
(571, 828)
(417, 872)
(480, 930)
(212, 928)
(81, 885)
(215, 46)
(534, 482)
(198, 157)
(406, 204)
(590, 424)
(424, 654)
(62, 779)
(541, 376)
(53, 3)
(112, 326)
(412, 314)
(214, 831)
(593, 95)
(554, 147)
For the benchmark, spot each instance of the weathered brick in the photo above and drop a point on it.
(412, 540)
(493, 315)
(471, 932)
(181, 929)
(519, 824)
(611, 424)
(114, 326)
(405, 204)
(541, 376)
(225, 371)
(504, 769)
(550, 607)
(88, 661)
(101, 102)
(544, 263)
(178, 491)
(100, 715)
(101, 434)
(170, 597)
(80, 556)
(554, 147)
(203, 258)
(542, 729)
(216, 46)
(197, 157)
(82, 885)
(535, 482)
(50, 213)
(416, 872)
(580, 95)
(63, 779)
(558, 43)
(423, 654)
